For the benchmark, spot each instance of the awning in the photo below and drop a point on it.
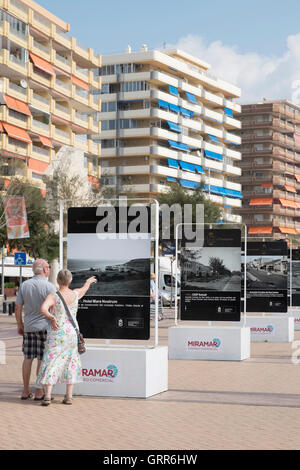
(228, 112)
(42, 64)
(199, 169)
(213, 155)
(187, 166)
(80, 83)
(263, 201)
(178, 145)
(171, 179)
(45, 141)
(192, 98)
(173, 163)
(288, 230)
(173, 90)
(163, 104)
(267, 185)
(17, 105)
(174, 127)
(16, 132)
(186, 113)
(290, 188)
(37, 166)
(174, 108)
(288, 203)
(297, 178)
(189, 184)
(262, 229)
(213, 138)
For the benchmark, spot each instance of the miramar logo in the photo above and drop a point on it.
(264, 330)
(107, 374)
(213, 344)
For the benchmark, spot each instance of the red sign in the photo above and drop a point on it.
(16, 218)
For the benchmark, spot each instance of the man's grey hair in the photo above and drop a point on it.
(38, 266)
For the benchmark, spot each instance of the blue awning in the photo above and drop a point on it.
(189, 184)
(199, 169)
(171, 179)
(173, 163)
(192, 98)
(163, 104)
(174, 108)
(173, 90)
(187, 166)
(186, 113)
(228, 112)
(213, 155)
(233, 193)
(173, 126)
(178, 145)
(213, 138)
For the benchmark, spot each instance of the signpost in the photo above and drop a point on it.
(20, 260)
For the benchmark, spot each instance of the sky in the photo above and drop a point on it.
(254, 45)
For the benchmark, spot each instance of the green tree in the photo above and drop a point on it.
(43, 242)
(176, 194)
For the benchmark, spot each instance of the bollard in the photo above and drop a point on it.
(10, 309)
(4, 307)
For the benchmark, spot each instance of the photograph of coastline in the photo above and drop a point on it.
(211, 269)
(122, 265)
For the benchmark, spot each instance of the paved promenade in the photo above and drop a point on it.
(253, 404)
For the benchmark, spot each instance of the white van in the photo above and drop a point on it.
(167, 280)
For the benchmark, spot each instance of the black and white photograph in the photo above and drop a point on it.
(211, 269)
(266, 272)
(121, 265)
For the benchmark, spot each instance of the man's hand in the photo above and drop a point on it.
(21, 329)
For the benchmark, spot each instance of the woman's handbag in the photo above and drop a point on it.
(80, 343)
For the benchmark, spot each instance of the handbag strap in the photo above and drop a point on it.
(68, 312)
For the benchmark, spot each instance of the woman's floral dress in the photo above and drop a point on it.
(61, 362)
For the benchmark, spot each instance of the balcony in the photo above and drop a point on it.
(40, 102)
(41, 153)
(18, 9)
(61, 136)
(61, 37)
(62, 62)
(39, 127)
(40, 49)
(62, 111)
(16, 91)
(62, 87)
(41, 78)
(15, 146)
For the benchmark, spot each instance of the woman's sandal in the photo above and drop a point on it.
(46, 401)
(67, 401)
(28, 397)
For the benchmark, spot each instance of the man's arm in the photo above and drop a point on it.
(18, 315)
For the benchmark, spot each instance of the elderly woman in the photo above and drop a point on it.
(61, 362)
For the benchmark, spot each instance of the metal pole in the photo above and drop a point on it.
(245, 276)
(20, 275)
(2, 277)
(291, 277)
(156, 269)
(61, 235)
(176, 270)
(171, 302)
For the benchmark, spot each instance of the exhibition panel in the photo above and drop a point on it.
(100, 244)
(267, 276)
(211, 277)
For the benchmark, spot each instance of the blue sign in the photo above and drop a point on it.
(20, 259)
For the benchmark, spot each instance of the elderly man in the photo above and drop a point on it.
(31, 296)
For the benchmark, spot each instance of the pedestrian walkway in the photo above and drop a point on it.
(253, 404)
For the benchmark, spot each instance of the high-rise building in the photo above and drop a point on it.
(46, 100)
(165, 119)
(271, 168)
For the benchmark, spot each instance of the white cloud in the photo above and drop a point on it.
(258, 76)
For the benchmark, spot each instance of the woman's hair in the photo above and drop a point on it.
(64, 277)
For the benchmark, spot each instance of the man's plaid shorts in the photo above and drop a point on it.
(34, 344)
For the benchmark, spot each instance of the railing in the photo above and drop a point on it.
(40, 150)
(82, 71)
(61, 108)
(81, 117)
(40, 98)
(62, 84)
(40, 124)
(62, 59)
(62, 133)
(41, 47)
(19, 89)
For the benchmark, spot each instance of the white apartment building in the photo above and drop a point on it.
(164, 119)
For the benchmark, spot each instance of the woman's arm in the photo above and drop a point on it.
(82, 290)
(48, 303)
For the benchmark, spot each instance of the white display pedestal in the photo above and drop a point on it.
(295, 313)
(209, 343)
(279, 328)
(122, 372)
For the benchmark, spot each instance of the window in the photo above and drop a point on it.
(134, 86)
(108, 106)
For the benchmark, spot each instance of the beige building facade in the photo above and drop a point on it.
(165, 119)
(46, 84)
